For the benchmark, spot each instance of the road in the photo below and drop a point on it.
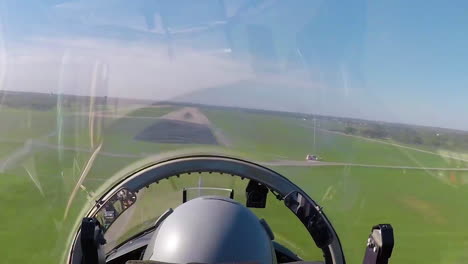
(194, 115)
(296, 163)
(186, 114)
(191, 114)
(286, 163)
(198, 117)
(35, 145)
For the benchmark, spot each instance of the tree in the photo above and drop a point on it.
(350, 130)
(418, 140)
(376, 131)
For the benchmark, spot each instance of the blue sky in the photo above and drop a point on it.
(416, 55)
(401, 61)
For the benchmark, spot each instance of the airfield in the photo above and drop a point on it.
(54, 162)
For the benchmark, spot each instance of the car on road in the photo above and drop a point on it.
(310, 157)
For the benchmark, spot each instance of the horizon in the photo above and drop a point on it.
(381, 61)
(212, 105)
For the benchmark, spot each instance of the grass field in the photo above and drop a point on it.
(427, 208)
(427, 214)
(273, 138)
(32, 217)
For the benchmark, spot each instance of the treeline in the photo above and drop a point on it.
(436, 137)
(43, 101)
(34, 101)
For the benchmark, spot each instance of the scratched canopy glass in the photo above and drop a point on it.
(360, 103)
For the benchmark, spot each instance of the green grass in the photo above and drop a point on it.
(20, 124)
(424, 225)
(7, 148)
(427, 213)
(427, 209)
(268, 137)
(119, 134)
(34, 222)
(75, 128)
